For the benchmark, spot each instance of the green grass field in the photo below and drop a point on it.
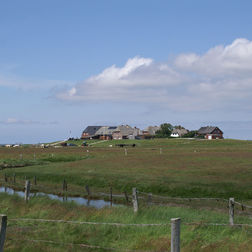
(27, 236)
(168, 167)
(185, 168)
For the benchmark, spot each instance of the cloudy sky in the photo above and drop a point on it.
(68, 64)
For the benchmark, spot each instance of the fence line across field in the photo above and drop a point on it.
(92, 223)
(129, 224)
(175, 230)
(179, 198)
(111, 195)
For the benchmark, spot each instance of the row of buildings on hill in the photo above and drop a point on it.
(128, 132)
(117, 132)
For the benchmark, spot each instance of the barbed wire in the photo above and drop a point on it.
(92, 223)
(242, 205)
(217, 224)
(179, 198)
(127, 224)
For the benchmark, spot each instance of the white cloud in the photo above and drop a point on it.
(221, 77)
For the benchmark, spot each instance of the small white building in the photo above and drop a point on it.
(179, 132)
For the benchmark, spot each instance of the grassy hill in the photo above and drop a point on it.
(168, 167)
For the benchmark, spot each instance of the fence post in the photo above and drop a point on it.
(88, 190)
(3, 231)
(14, 178)
(64, 185)
(160, 151)
(149, 198)
(125, 151)
(5, 178)
(111, 196)
(35, 180)
(135, 200)
(231, 211)
(27, 190)
(126, 197)
(175, 235)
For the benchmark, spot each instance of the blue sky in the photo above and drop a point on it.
(68, 64)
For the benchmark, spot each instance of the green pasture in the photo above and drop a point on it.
(32, 236)
(168, 167)
(172, 167)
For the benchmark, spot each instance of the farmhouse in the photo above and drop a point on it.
(179, 132)
(124, 132)
(90, 131)
(105, 132)
(210, 132)
(152, 130)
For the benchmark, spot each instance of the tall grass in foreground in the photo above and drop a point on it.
(151, 238)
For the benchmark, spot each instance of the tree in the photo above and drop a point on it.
(165, 130)
(191, 134)
(178, 127)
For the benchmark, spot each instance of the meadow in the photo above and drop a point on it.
(166, 167)
(183, 168)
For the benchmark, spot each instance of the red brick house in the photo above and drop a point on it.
(210, 132)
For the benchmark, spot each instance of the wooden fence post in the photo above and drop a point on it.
(125, 151)
(175, 235)
(27, 190)
(14, 178)
(64, 186)
(231, 211)
(3, 231)
(135, 200)
(5, 178)
(35, 180)
(111, 196)
(149, 198)
(88, 190)
(126, 197)
(160, 151)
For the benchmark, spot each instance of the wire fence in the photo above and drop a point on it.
(175, 231)
(126, 198)
(128, 224)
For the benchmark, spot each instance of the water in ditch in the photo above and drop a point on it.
(97, 203)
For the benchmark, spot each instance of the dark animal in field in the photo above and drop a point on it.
(125, 145)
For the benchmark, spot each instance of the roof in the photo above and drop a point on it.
(125, 130)
(207, 130)
(152, 129)
(180, 131)
(91, 130)
(106, 130)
